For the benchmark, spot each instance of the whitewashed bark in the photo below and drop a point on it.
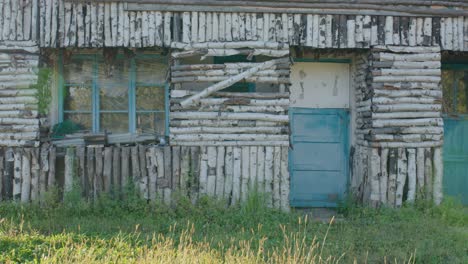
(236, 180)
(351, 28)
(276, 178)
(220, 176)
(420, 172)
(211, 182)
(261, 169)
(438, 174)
(374, 161)
(383, 175)
(411, 175)
(269, 176)
(401, 176)
(229, 167)
(26, 176)
(428, 173)
(203, 170)
(389, 30)
(284, 188)
(245, 191)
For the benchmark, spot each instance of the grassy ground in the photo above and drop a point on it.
(134, 231)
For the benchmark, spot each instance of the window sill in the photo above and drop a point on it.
(110, 139)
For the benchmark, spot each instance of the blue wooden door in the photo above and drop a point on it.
(318, 156)
(456, 157)
(455, 102)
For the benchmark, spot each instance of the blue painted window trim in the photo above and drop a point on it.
(132, 85)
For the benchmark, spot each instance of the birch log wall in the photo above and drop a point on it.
(400, 129)
(120, 24)
(226, 172)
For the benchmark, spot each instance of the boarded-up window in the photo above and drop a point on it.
(121, 96)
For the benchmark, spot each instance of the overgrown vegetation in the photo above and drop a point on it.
(44, 94)
(111, 230)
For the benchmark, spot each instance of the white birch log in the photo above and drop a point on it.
(159, 38)
(269, 176)
(420, 172)
(448, 33)
(194, 31)
(428, 174)
(69, 170)
(383, 175)
(261, 169)
(215, 27)
(245, 155)
(211, 182)
(407, 107)
(236, 180)
(167, 29)
(315, 29)
(203, 171)
(220, 176)
(284, 188)
(401, 176)
(392, 177)
(17, 174)
(26, 176)
(186, 24)
(209, 26)
(224, 130)
(235, 29)
(229, 173)
(258, 143)
(438, 175)
(374, 161)
(276, 178)
(408, 122)
(388, 30)
(222, 27)
(411, 175)
(221, 137)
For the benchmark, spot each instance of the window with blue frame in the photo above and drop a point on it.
(127, 95)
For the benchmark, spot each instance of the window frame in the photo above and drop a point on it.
(95, 92)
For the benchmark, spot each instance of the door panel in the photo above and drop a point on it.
(318, 156)
(456, 157)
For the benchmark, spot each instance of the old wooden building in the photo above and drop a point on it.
(305, 101)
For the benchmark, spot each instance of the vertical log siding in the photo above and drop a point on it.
(153, 28)
(222, 178)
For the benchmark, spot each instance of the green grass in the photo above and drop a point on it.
(134, 231)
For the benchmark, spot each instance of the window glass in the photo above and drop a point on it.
(114, 122)
(151, 70)
(78, 71)
(150, 122)
(455, 91)
(447, 90)
(150, 98)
